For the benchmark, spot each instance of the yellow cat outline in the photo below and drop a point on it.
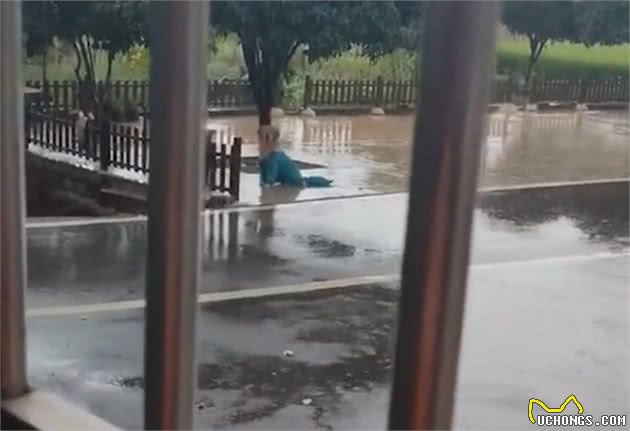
(560, 409)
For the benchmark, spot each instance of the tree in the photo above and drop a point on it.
(36, 25)
(540, 21)
(271, 31)
(602, 22)
(89, 26)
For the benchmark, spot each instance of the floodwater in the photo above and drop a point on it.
(546, 312)
(370, 154)
(546, 305)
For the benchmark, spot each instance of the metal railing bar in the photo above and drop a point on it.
(12, 205)
(178, 86)
(457, 62)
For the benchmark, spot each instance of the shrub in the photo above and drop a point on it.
(121, 111)
(294, 91)
(113, 110)
(131, 111)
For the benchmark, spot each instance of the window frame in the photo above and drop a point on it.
(457, 63)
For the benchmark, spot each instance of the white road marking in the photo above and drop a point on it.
(84, 221)
(556, 184)
(236, 209)
(552, 259)
(315, 201)
(265, 292)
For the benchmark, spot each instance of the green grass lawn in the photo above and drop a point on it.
(566, 60)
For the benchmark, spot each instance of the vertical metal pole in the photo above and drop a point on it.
(177, 106)
(12, 206)
(458, 56)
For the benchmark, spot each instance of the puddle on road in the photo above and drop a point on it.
(326, 321)
(325, 247)
(239, 387)
(129, 382)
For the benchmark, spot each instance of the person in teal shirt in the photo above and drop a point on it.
(277, 168)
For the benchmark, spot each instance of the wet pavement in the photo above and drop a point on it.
(316, 241)
(370, 154)
(546, 312)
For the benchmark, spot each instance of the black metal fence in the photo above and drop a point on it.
(110, 145)
(381, 93)
(64, 95)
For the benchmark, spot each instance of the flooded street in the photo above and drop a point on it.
(546, 311)
(370, 154)
(319, 280)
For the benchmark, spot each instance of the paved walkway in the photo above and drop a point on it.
(546, 312)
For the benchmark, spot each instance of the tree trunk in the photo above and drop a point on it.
(530, 67)
(45, 76)
(85, 83)
(86, 96)
(536, 47)
(104, 95)
(45, 66)
(264, 115)
(264, 98)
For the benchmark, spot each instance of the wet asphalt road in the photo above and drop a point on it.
(546, 312)
(318, 241)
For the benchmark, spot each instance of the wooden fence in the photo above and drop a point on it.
(358, 93)
(388, 94)
(230, 94)
(64, 95)
(126, 148)
(581, 91)
(234, 94)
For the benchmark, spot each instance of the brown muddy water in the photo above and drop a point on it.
(370, 154)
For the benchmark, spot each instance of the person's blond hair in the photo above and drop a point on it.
(268, 139)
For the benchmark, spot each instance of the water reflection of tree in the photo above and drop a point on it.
(600, 211)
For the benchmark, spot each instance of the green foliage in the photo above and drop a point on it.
(113, 26)
(119, 110)
(351, 64)
(602, 22)
(226, 58)
(561, 60)
(137, 59)
(37, 26)
(293, 95)
(90, 28)
(566, 60)
(540, 21)
(587, 22)
(271, 32)
(61, 66)
(356, 64)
